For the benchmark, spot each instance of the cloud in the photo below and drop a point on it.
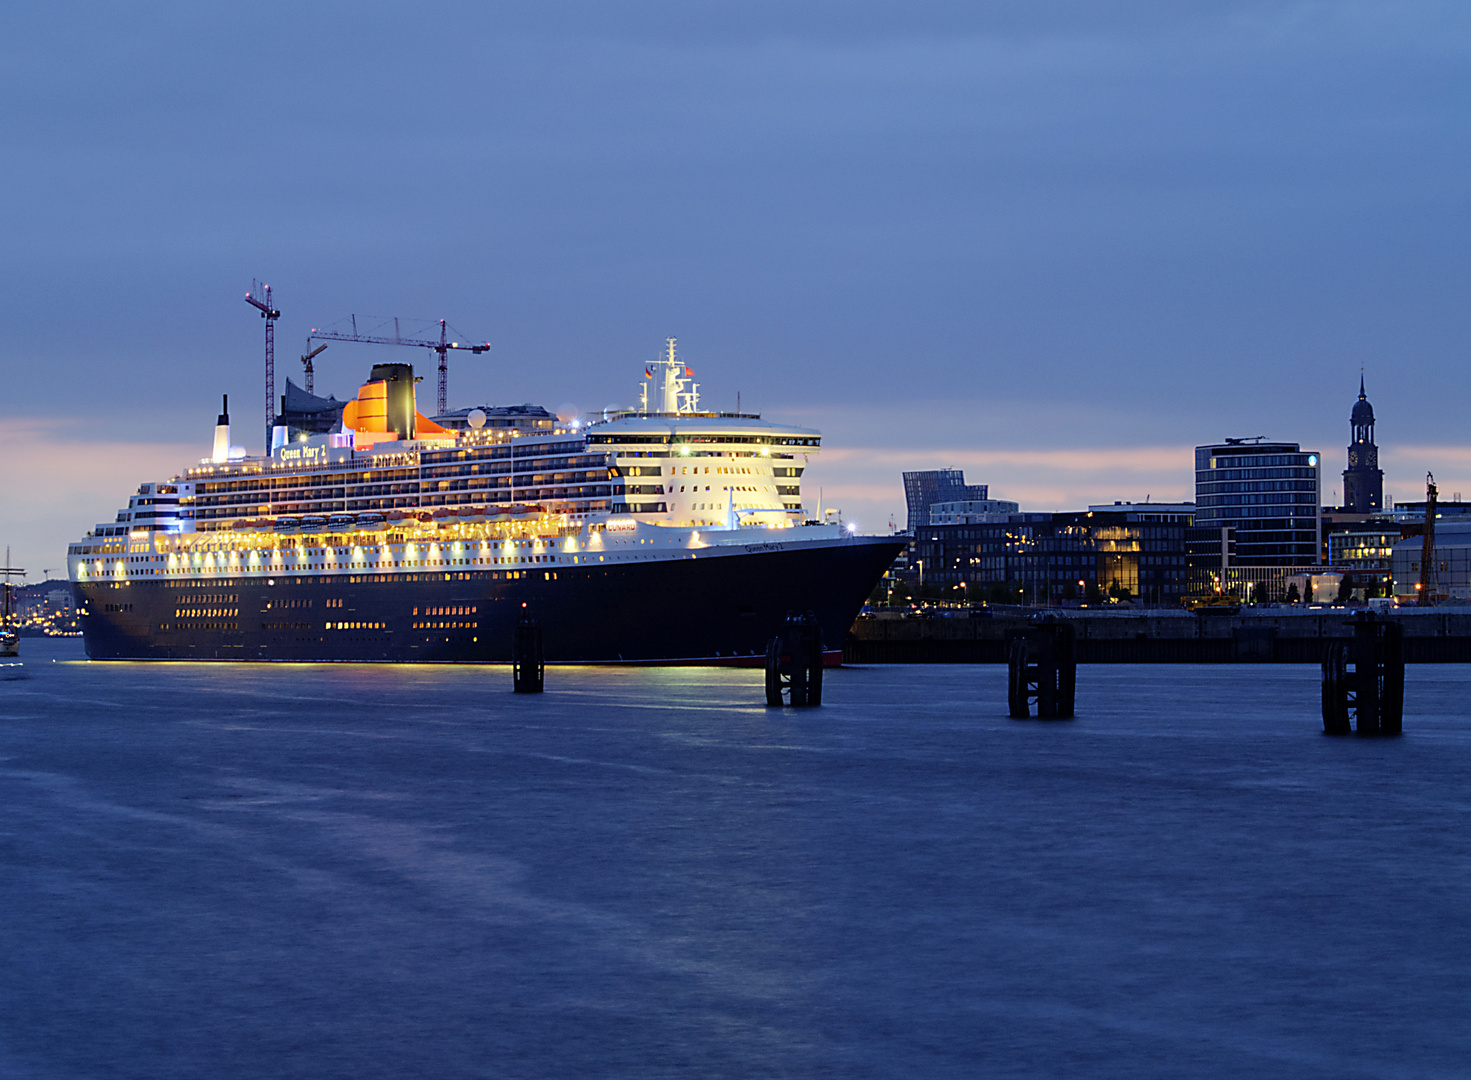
(57, 484)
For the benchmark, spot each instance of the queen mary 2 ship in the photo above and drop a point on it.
(665, 534)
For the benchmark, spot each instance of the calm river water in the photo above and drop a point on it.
(336, 871)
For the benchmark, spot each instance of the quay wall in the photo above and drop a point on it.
(1430, 636)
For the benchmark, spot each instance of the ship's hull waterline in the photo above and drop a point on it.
(721, 609)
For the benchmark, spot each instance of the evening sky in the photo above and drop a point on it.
(1054, 243)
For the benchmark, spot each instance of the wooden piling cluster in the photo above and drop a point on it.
(1042, 666)
(528, 664)
(794, 663)
(1364, 680)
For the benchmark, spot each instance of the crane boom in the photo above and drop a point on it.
(442, 348)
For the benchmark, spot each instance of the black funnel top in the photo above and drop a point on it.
(400, 403)
(224, 410)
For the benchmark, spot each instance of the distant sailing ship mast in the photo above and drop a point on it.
(9, 638)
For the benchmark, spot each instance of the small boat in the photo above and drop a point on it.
(313, 523)
(341, 522)
(371, 520)
(288, 524)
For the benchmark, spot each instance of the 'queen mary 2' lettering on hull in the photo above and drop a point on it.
(658, 535)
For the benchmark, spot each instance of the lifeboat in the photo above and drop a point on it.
(425, 518)
(245, 525)
(445, 516)
(371, 520)
(313, 523)
(341, 522)
(288, 524)
(472, 513)
(394, 517)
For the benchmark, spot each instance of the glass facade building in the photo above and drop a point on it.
(1268, 494)
(1136, 552)
(923, 489)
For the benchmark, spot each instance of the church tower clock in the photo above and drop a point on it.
(1363, 480)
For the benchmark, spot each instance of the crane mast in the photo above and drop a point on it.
(1427, 545)
(306, 362)
(270, 314)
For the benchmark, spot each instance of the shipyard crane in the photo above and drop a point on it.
(1427, 545)
(441, 347)
(306, 362)
(270, 314)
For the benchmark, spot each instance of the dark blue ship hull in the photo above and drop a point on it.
(718, 609)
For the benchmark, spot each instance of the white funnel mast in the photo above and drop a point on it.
(222, 433)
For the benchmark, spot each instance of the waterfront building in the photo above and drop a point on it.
(527, 419)
(1257, 518)
(304, 414)
(1362, 555)
(971, 511)
(1363, 480)
(924, 489)
(1449, 576)
(1124, 551)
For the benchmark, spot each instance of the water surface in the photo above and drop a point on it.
(337, 871)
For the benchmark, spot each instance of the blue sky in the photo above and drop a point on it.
(1055, 243)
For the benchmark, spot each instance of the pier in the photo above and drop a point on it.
(1281, 636)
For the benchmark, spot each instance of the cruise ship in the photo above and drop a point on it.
(369, 532)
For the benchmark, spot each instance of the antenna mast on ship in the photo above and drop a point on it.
(673, 377)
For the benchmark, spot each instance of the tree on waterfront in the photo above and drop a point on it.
(1293, 596)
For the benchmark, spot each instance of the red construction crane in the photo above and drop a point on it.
(270, 314)
(441, 347)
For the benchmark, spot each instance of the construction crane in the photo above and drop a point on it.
(270, 314)
(1427, 546)
(306, 362)
(441, 347)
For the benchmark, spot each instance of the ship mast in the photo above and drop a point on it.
(7, 604)
(672, 379)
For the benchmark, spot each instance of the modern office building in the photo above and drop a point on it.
(923, 489)
(1126, 550)
(1257, 514)
(1363, 480)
